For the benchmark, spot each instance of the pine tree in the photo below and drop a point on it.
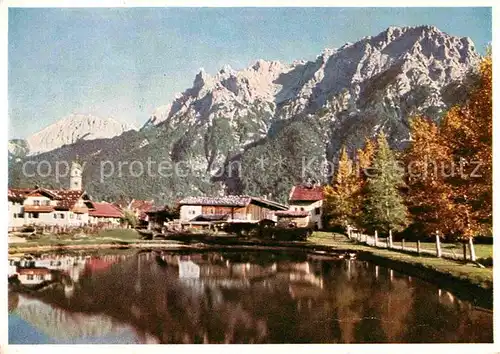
(385, 207)
(341, 205)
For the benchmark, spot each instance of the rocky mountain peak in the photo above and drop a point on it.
(302, 109)
(72, 128)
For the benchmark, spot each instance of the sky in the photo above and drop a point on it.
(125, 62)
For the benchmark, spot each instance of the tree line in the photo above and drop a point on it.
(441, 183)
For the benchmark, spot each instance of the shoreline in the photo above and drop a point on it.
(464, 287)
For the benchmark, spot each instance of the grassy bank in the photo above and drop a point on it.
(111, 236)
(482, 277)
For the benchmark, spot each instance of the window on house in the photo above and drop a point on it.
(71, 216)
(61, 215)
(55, 216)
(78, 216)
(301, 209)
(36, 202)
(46, 202)
(40, 277)
(33, 215)
(29, 277)
(20, 215)
(15, 215)
(317, 211)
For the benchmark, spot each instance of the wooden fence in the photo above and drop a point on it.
(438, 251)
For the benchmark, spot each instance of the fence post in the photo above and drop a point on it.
(376, 238)
(471, 250)
(438, 245)
(403, 244)
(390, 238)
(418, 247)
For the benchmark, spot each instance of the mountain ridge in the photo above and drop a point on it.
(305, 109)
(70, 129)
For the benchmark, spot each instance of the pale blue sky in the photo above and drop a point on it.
(124, 62)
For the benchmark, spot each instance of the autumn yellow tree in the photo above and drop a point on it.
(341, 206)
(430, 197)
(449, 167)
(467, 132)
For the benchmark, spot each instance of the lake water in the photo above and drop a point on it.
(230, 297)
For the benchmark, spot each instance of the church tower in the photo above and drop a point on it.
(75, 176)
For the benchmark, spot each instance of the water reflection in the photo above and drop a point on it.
(230, 297)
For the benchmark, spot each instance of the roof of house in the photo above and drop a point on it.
(141, 205)
(292, 213)
(33, 271)
(231, 201)
(105, 210)
(306, 193)
(66, 199)
(18, 194)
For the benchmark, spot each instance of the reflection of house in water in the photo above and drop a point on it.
(199, 270)
(69, 265)
(33, 276)
(188, 270)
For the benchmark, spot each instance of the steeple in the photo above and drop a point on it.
(75, 176)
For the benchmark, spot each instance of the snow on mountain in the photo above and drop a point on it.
(73, 128)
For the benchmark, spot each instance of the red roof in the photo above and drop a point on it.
(306, 193)
(18, 194)
(33, 271)
(141, 205)
(105, 210)
(292, 213)
(66, 199)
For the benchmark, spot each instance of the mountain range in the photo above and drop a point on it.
(264, 128)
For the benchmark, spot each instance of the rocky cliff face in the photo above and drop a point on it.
(72, 128)
(269, 118)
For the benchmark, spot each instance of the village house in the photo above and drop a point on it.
(306, 207)
(140, 208)
(45, 207)
(48, 207)
(104, 214)
(203, 211)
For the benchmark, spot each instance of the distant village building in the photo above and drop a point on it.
(306, 206)
(203, 211)
(105, 213)
(140, 208)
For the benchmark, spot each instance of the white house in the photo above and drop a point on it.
(306, 205)
(47, 207)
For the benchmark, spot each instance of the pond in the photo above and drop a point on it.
(230, 297)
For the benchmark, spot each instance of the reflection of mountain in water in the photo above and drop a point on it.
(65, 326)
(253, 298)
